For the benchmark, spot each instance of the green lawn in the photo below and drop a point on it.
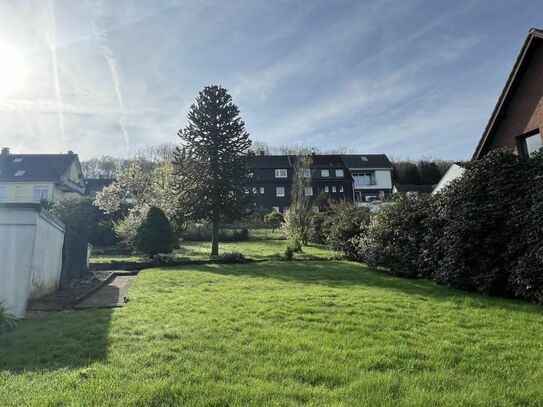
(323, 333)
(254, 249)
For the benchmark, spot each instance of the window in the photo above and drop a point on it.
(254, 190)
(339, 173)
(326, 189)
(325, 173)
(308, 191)
(364, 158)
(261, 190)
(280, 191)
(334, 188)
(276, 209)
(307, 173)
(341, 188)
(17, 160)
(281, 173)
(40, 193)
(363, 180)
(2, 193)
(20, 173)
(532, 143)
(315, 209)
(18, 193)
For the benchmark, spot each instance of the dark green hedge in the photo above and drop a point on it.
(482, 233)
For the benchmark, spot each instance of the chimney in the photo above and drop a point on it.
(5, 151)
(70, 152)
(261, 152)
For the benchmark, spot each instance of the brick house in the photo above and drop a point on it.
(517, 119)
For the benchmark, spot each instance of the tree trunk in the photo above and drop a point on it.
(215, 239)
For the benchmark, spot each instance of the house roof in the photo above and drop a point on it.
(97, 183)
(36, 167)
(366, 161)
(424, 189)
(532, 42)
(324, 160)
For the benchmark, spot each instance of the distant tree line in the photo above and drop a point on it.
(422, 172)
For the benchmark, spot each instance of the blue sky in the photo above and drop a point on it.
(407, 78)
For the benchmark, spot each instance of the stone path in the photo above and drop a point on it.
(113, 294)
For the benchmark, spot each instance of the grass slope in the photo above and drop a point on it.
(280, 333)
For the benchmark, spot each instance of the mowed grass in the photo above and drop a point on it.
(324, 333)
(254, 249)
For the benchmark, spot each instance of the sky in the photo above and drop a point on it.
(408, 78)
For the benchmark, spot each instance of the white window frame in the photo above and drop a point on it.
(341, 188)
(326, 189)
(325, 173)
(307, 173)
(17, 160)
(308, 191)
(340, 173)
(276, 209)
(278, 193)
(19, 173)
(334, 190)
(41, 189)
(261, 190)
(281, 173)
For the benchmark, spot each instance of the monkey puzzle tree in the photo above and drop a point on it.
(211, 167)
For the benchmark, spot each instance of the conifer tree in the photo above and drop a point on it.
(211, 167)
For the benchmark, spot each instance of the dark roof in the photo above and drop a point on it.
(324, 160)
(532, 42)
(424, 189)
(366, 161)
(97, 183)
(36, 167)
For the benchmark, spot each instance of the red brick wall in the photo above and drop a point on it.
(525, 111)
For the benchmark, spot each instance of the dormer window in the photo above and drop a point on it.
(281, 173)
(20, 173)
(325, 173)
(339, 173)
(17, 160)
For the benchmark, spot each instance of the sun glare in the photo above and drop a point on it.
(12, 69)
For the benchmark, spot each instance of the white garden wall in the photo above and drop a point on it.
(31, 243)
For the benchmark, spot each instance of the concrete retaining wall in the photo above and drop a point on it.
(31, 242)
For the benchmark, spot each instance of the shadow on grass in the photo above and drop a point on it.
(56, 340)
(345, 274)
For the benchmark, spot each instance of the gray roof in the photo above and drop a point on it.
(324, 160)
(36, 167)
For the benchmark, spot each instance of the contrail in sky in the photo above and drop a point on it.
(103, 43)
(51, 39)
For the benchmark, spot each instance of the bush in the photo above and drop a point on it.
(316, 231)
(394, 238)
(273, 220)
(232, 257)
(343, 226)
(155, 235)
(289, 253)
(164, 258)
(7, 320)
(202, 233)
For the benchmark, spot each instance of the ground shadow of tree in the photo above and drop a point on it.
(56, 340)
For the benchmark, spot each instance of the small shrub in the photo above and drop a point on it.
(343, 225)
(155, 235)
(163, 258)
(394, 237)
(7, 320)
(316, 231)
(232, 257)
(289, 253)
(273, 220)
